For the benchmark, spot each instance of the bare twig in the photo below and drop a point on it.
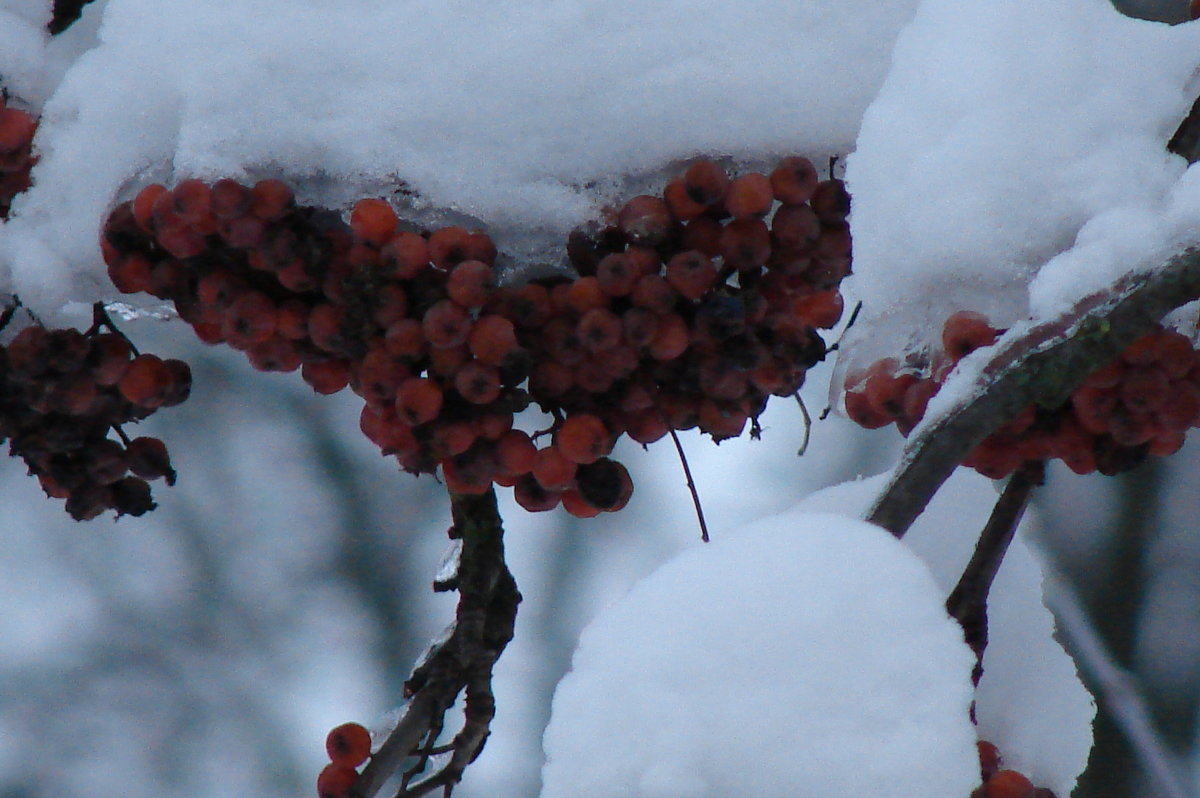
(1041, 366)
(967, 603)
(1116, 688)
(484, 622)
(807, 425)
(687, 473)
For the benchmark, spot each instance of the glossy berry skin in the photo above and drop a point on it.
(348, 744)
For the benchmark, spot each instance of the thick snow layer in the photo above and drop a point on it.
(525, 115)
(23, 44)
(805, 654)
(1007, 133)
(1030, 702)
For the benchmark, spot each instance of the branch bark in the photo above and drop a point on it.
(1043, 365)
(463, 661)
(967, 603)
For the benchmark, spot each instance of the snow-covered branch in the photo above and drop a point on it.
(1041, 364)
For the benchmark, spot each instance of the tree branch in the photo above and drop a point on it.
(463, 660)
(967, 603)
(1042, 365)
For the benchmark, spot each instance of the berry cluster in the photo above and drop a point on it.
(348, 746)
(16, 152)
(1001, 783)
(1140, 404)
(688, 310)
(61, 391)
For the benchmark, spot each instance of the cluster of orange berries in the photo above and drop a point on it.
(16, 152)
(1140, 404)
(62, 391)
(689, 310)
(999, 782)
(348, 746)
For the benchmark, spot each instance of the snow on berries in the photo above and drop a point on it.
(687, 309)
(1141, 404)
(63, 391)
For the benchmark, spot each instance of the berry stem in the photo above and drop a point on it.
(807, 425)
(967, 603)
(687, 472)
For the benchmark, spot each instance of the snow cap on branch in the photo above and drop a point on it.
(1005, 134)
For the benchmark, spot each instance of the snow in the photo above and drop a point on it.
(527, 117)
(807, 653)
(1030, 702)
(1015, 161)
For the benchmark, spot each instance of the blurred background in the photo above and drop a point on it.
(283, 587)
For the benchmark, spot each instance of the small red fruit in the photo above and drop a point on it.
(348, 744)
(1008, 784)
(335, 781)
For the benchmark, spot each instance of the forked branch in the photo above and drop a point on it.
(462, 662)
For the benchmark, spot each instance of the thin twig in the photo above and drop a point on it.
(1043, 365)
(687, 472)
(807, 425)
(967, 603)
(1116, 688)
(833, 347)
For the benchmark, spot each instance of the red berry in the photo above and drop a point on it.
(335, 781)
(989, 759)
(146, 382)
(794, 180)
(646, 220)
(966, 331)
(1008, 784)
(348, 744)
(449, 246)
(493, 339)
(270, 200)
(705, 182)
(691, 274)
(373, 221)
(583, 438)
(749, 196)
(682, 206)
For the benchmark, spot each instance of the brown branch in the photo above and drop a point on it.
(484, 623)
(1043, 366)
(687, 473)
(1186, 141)
(967, 603)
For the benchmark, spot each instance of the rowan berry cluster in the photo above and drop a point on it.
(1140, 404)
(348, 746)
(999, 782)
(688, 310)
(62, 391)
(16, 152)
